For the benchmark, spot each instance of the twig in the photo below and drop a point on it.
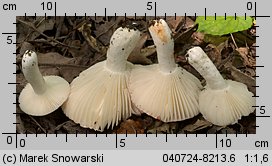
(102, 33)
(44, 35)
(233, 40)
(38, 124)
(96, 59)
(58, 32)
(225, 61)
(62, 65)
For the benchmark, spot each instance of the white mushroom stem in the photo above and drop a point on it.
(122, 43)
(32, 72)
(202, 63)
(161, 35)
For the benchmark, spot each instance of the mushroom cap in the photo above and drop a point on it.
(57, 91)
(99, 97)
(165, 96)
(224, 107)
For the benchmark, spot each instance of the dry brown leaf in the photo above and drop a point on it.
(250, 72)
(249, 124)
(53, 63)
(25, 46)
(83, 50)
(130, 126)
(175, 23)
(42, 25)
(85, 29)
(53, 58)
(214, 129)
(61, 28)
(198, 38)
(214, 54)
(49, 70)
(198, 125)
(139, 55)
(161, 127)
(73, 51)
(70, 73)
(248, 60)
(239, 76)
(228, 130)
(70, 127)
(105, 29)
(20, 79)
(186, 36)
(20, 128)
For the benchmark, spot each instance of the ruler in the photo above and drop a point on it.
(135, 149)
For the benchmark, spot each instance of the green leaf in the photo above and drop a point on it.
(220, 26)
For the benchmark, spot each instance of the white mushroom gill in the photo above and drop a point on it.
(42, 95)
(99, 96)
(222, 102)
(164, 91)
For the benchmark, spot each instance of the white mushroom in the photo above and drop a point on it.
(222, 102)
(42, 95)
(164, 91)
(99, 96)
